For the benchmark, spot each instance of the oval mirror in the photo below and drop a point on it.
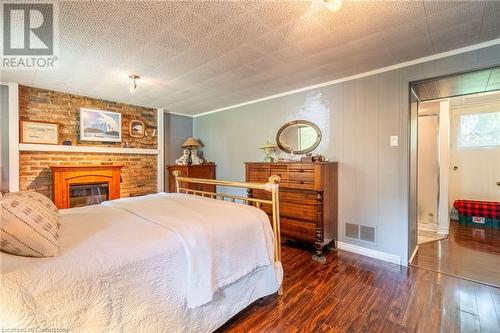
(298, 137)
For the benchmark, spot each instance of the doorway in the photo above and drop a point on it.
(428, 181)
(457, 125)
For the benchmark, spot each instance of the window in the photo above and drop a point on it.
(307, 137)
(479, 130)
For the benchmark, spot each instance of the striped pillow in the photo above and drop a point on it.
(28, 227)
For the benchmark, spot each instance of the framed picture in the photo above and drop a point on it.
(39, 132)
(103, 126)
(137, 128)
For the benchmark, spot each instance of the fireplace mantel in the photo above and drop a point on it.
(64, 176)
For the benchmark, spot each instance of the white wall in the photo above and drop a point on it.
(478, 168)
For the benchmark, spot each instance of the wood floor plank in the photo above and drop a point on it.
(468, 302)
(418, 302)
(450, 314)
(488, 320)
(469, 322)
(316, 320)
(495, 295)
(399, 303)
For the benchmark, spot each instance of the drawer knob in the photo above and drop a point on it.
(301, 182)
(301, 170)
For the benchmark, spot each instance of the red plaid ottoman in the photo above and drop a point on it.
(470, 210)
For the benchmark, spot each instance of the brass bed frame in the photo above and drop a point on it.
(271, 186)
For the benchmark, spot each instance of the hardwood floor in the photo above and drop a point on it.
(468, 252)
(352, 293)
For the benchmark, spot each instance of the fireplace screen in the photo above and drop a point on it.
(88, 194)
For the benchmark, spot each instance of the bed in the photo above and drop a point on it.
(127, 265)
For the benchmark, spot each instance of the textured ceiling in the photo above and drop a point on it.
(198, 56)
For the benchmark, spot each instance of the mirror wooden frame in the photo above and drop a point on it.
(299, 122)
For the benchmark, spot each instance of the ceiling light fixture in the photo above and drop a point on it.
(333, 5)
(133, 84)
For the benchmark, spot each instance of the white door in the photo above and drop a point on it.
(475, 159)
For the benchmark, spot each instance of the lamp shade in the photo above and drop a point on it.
(191, 143)
(268, 145)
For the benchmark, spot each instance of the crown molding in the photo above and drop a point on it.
(361, 75)
(179, 114)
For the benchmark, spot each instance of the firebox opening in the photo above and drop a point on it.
(88, 194)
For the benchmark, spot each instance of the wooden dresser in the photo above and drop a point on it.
(206, 171)
(308, 199)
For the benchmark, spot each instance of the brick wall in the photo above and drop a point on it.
(62, 108)
(138, 172)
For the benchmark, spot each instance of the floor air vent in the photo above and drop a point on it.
(352, 230)
(361, 232)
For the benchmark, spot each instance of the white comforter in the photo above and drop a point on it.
(124, 266)
(222, 241)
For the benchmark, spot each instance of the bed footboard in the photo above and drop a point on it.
(271, 186)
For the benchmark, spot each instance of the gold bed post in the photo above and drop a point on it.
(271, 186)
(274, 180)
(176, 174)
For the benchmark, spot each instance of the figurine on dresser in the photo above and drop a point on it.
(184, 159)
(190, 153)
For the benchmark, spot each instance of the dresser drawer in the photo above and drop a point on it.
(304, 213)
(299, 197)
(280, 170)
(298, 229)
(305, 176)
(258, 174)
(298, 211)
(301, 184)
(301, 168)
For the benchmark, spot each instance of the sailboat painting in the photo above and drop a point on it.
(104, 126)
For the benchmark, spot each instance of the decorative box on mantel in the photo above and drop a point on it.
(75, 186)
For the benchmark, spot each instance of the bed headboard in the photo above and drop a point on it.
(181, 185)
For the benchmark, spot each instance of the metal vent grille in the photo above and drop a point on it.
(361, 232)
(352, 230)
(367, 234)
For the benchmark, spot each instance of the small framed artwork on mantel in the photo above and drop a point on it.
(137, 128)
(39, 132)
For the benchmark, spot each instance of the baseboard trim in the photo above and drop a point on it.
(443, 230)
(427, 227)
(392, 258)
